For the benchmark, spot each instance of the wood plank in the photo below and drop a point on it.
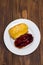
(14, 9)
(5, 18)
(41, 27)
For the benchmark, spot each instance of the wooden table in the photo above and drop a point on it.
(14, 9)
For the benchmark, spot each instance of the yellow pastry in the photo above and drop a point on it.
(18, 30)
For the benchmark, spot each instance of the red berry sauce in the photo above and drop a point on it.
(23, 40)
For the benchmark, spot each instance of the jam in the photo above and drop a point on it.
(23, 40)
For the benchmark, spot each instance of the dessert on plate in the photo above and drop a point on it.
(20, 34)
(18, 30)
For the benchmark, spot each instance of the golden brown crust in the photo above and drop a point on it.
(18, 30)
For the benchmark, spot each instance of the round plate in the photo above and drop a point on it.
(32, 28)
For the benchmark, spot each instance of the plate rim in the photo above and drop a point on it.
(12, 51)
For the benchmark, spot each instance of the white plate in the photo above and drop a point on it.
(33, 29)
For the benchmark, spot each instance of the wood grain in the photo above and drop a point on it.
(14, 9)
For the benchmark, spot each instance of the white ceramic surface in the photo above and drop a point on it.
(32, 28)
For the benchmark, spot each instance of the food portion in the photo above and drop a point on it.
(18, 30)
(23, 40)
(20, 34)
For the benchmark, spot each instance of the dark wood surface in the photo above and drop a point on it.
(14, 9)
